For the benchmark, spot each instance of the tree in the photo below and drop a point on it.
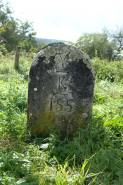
(8, 26)
(5, 13)
(27, 35)
(15, 31)
(117, 37)
(11, 34)
(96, 42)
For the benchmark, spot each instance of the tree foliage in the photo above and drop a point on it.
(15, 31)
(96, 44)
(117, 37)
(5, 13)
(27, 36)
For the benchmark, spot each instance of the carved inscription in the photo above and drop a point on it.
(61, 101)
(61, 82)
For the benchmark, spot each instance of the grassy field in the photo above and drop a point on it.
(94, 156)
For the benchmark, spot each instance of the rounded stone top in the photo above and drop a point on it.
(61, 88)
(74, 51)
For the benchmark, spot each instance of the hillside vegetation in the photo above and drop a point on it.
(94, 156)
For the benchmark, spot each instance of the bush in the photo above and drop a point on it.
(112, 71)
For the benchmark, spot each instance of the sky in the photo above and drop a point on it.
(69, 19)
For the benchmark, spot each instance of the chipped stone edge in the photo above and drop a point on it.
(85, 57)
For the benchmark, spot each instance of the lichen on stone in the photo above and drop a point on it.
(84, 115)
(35, 89)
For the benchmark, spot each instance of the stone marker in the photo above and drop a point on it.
(61, 87)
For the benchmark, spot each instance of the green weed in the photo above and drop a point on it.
(94, 156)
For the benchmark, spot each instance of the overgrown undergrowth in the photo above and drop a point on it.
(94, 156)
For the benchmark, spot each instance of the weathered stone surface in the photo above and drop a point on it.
(61, 86)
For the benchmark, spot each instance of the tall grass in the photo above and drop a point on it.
(94, 156)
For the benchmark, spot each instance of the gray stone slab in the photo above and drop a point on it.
(61, 87)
